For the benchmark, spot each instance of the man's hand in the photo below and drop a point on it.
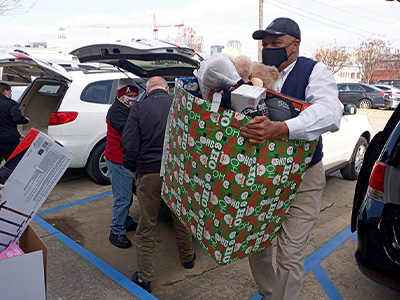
(261, 129)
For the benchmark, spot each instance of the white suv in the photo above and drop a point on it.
(71, 107)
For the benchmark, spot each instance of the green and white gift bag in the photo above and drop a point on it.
(230, 194)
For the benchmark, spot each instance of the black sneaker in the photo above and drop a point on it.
(119, 240)
(131, 227)
(143, 284)
(190, 264)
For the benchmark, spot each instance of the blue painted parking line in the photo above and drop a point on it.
(58, 208)
(324, 251)
(312, 262)
(256, 297)
(326, 283)
(109, 271)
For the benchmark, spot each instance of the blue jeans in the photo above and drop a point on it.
(121, 185)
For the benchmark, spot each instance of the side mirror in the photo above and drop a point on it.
(349, 109)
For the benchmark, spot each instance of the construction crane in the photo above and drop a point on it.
(155, 26)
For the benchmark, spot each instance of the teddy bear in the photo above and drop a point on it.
(221, 72)
(257, 73)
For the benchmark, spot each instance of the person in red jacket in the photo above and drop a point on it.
(121, 178)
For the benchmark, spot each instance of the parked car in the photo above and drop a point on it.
(344, 149)
(71, 106)
(392, 82)
(376, 206)
(394, 91)
(363, 95)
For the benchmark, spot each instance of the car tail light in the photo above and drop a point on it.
(376, 181)
(58, 118)
(386, 95)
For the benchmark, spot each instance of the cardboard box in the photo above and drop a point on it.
(42, 164)
(245, 98)
(230, 194)
(37, 165)
(24, 277)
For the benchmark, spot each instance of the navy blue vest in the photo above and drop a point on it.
(295, 85)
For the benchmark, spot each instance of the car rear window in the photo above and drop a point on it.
(374, 88)
(50, 88)
(97, 92)
(396, 83)
(386, 88)
(386, 82)
(356, 87)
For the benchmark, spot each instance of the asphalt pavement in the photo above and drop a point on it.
(82, 264)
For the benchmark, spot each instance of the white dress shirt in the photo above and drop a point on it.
(325, 113)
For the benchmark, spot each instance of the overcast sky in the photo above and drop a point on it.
(321, 21)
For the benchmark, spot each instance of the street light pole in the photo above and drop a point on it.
(260, 26)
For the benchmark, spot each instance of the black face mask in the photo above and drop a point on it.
(275, 56)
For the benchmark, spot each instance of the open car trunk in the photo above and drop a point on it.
(43, 98)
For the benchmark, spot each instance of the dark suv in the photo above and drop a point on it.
(376, 206)
(393, 82)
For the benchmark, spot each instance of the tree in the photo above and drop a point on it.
(392, 64)
(369, 55)
(334, 56)
(189, 37)
(13, 7)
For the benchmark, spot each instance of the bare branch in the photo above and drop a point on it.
(334, 56)
(13, 8)
(392, 64)
(369, 55)
(189, 38)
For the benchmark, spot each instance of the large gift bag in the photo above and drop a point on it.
(230, 194)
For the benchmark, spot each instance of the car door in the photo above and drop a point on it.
(144, 58)
(348, 93)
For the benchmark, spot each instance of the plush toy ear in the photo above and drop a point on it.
(243, 65)
(274, 72)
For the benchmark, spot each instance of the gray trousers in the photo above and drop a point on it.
(292, 237)
(149, 197)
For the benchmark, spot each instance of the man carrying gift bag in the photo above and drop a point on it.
(312, 81)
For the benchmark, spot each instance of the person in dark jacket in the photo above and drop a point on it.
(10, 116)
(121, 178)
(312, 81)
(142, 144)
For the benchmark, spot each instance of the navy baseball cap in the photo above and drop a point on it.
(279, 26)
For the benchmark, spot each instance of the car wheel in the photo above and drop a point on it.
(365, 104)
(352, 170)
(96, 166)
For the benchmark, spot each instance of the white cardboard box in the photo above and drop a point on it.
(24, 277)
(246, 97)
